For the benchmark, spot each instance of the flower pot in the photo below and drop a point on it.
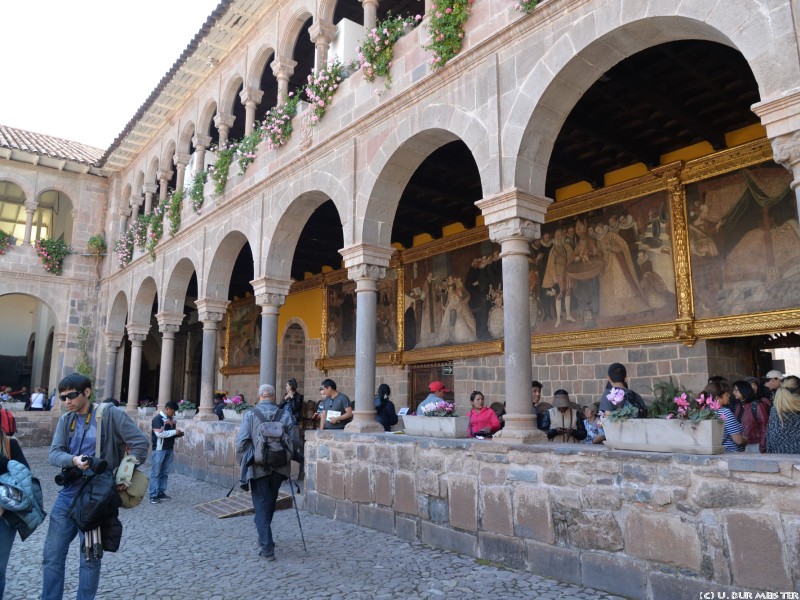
(665, 435)
(231, 415)
(146, 410)
(186, 414)
(450, 427)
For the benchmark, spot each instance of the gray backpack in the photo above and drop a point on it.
(272, 446)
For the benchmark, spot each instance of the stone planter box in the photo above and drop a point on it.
(449, 427)
(232, 415)
(665, 435)
(14, 406)
(146, 410)
(186, 414)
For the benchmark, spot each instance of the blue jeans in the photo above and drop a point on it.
(265, 497)
(60, 533)
(162, 463)
(7, 534)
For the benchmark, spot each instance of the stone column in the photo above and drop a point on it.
(210, 313)
(224, 123)
(201, 142)
(428, 7)
(283, 70)
(370, 13)
(136, 204)
(781, 119)
(322, 34)
(137, 334)
(113, 341)
(270, 295)
(181, 159)
(168, 325)
(365, 265)
(164, 178)
(513, 219)
(30, 209)
(61, 342)
(124, 214)
(251, 98)
(149, 189)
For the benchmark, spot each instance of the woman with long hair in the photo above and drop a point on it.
(385, 412)
(483, 420)
(9, 522)
(732, 437)
(753, 414)
(783, 429)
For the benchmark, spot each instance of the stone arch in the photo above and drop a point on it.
(126, 194)
(403, 151)
(21, 184)
(585, 52)
(229, 96)
(260, 62)
(172, 299)
(138, 183)
(118, 315)
(185, 138)
(291, 29)
(57, 305)
(167, 155)
(142, 307)
(293, 345)
(290, 215)
(152, 170)
(219, 272)
(327, 8)
(295, 321)
(206, 116)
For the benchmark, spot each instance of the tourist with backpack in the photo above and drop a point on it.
(268, 435)
(753, 414)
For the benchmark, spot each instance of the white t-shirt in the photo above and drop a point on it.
(37, 400)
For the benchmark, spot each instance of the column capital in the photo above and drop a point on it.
(31, 205)
(364, 274)
(149, 188)
(113, 340)
(136, 201)
(125, 212)
(322, 32)
(211, 310)
(169, 322)
(514, 229)
(513, 203)
(137, 332)
(269, 286)
(201, 141)
(368, 254)
(780, 116)
(283, 67)
(181, 159)
(165, 176)
(786, 149)
(61, 340)
(253, 95)
(369, 2)
(222, 120)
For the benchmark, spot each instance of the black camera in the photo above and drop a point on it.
(70, 474)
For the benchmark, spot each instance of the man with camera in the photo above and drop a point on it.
(73, 450)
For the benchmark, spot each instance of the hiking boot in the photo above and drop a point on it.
(163, 496)
(270, 556)
(155, 500)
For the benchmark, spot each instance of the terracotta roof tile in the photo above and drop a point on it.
(48, 145)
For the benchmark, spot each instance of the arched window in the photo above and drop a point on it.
(53, 217)
(12, 210)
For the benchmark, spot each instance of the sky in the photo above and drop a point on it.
(80, 69)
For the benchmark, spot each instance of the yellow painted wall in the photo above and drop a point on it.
(306, 306)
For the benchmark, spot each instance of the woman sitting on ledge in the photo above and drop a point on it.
(783, 427)
(483, 421)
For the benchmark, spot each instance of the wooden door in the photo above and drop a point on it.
(421, 377)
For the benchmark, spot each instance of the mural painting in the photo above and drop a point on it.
(454, 297)
(744, 241)
(341, 320)
(606, 268)
(243, 348)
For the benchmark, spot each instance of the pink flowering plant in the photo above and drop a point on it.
(124, 248)
(621, 413)
(196, 190)
(245, 152)
(174, 205)
(155, 231)
(52, 254)
(702, 408)
(525, 6)
(447, 29)
(321, 87)
(237, 403)
(7, 241)
(439, 409)
(219, 170)
(277, 126)
(376, 53)
(139, 231)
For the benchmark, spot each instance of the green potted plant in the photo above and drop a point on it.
(187, 409)
(96, 246)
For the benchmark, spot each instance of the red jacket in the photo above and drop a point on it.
(754, 426)
(479, 420)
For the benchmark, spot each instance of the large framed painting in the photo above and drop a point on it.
(606, 268)
(243, 336)
(744, 242)
(454, 297)
(341, 316)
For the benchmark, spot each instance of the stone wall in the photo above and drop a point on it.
(641, 525)
(35, 428)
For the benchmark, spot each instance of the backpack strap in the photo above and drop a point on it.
(98, 415)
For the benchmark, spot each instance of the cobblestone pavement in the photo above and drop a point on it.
(171, 551)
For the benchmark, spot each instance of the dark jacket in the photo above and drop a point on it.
(386, 414)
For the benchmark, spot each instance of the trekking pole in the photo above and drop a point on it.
(297, 512)
(97, 546)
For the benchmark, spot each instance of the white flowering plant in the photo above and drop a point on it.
(439, 409)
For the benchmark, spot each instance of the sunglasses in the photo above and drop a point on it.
(70, 396)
